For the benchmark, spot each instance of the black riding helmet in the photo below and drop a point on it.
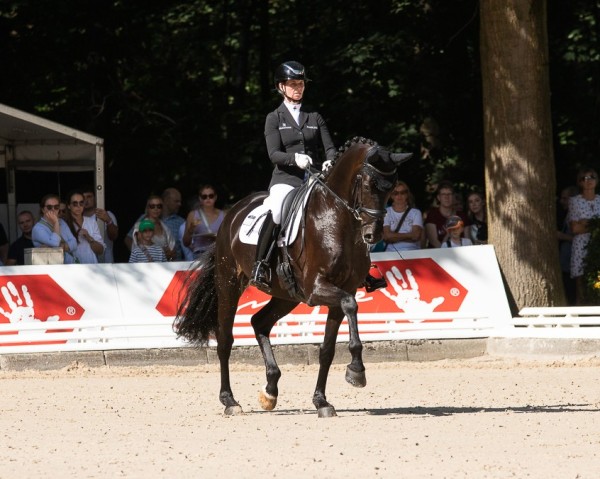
(289, 71)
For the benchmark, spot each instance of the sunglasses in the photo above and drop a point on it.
(589, 177)
(52, 207)
(153, 206)
(208, 196)
(77, 203)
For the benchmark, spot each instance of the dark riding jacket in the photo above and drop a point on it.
(285, 138)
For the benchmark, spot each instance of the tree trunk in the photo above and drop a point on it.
(519, 163)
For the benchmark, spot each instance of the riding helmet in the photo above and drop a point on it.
(289, 71)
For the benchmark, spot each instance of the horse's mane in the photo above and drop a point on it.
(353, 141)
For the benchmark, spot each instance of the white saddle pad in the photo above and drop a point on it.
(253, 222)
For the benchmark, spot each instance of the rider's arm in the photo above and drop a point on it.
(274, 142)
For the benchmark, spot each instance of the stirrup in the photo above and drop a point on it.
(261, 275)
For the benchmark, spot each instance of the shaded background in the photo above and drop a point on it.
(179, 90)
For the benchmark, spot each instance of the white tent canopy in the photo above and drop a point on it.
(29, 142)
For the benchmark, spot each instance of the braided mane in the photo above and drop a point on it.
(353, 141)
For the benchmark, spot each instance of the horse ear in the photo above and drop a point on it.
(399, 158)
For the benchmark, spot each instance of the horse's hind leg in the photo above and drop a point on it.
(263, 322)
(228, 301)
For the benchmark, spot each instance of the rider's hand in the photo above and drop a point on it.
(303, 161)
(326, 166)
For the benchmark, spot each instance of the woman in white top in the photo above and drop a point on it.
(89, 240)
(407, 236)
(582, 208)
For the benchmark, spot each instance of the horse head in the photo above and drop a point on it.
(371, 173)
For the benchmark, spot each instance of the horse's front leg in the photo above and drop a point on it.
(262, 323)
(355, 371)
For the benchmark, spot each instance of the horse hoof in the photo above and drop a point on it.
(233, 411)
(267, 402)
(327, 411)
(358, 380)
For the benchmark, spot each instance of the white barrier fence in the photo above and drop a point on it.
(431, 294)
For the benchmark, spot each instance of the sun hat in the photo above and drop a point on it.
(454, 222)
(145, 225)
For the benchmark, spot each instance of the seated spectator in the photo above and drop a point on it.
(144, 249)
(403, 223)
(90, 243)
(477, 217)
(436, 217)
(455, 228)
(203, 222)
(108, 228)
(188, 255)
(162, 234)
(171, 198)
(62, 210)
(16, 251)
(53, 232)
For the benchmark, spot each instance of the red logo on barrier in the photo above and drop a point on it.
(416, 285)
(174, 294)
(29, 298)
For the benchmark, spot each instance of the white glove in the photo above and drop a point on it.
(326, 166)
(303, 161)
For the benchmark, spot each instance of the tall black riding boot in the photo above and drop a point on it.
(260, 273)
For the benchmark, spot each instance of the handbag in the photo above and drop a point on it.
(381, 246)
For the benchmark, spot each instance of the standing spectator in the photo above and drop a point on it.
(144, 250)
(436, 217)
(582, 208)
(203, 222)
(565, 242)
(171, 198)
(405, 236)
(109, 227)
(53, 232)
(162, 234)
(477, 217)
(16, 251)
(455, 228)
(85, 229)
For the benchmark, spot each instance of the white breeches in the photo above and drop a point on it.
(274, 201)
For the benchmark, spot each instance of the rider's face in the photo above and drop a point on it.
(293, 89)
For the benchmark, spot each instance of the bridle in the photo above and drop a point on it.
(357, 207)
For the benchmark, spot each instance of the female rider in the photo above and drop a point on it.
(294, 138)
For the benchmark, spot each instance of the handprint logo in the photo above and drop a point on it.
(407, 296)
(19, 305)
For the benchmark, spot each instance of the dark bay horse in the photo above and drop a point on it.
(329, 260)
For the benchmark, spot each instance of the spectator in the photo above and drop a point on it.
(171, 198)
(203, 222)
(108, 228)
(436, 217)
(455, 228)
(581, 208)
(188, 255)
(477, 218)
(162, 234)
(85, 229)
(144, 249)
(53, 232)
(403, 223)
(458, 201)
(62, 210)
(16, 251)
(565, 242)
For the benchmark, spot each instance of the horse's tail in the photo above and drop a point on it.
(197, 315)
